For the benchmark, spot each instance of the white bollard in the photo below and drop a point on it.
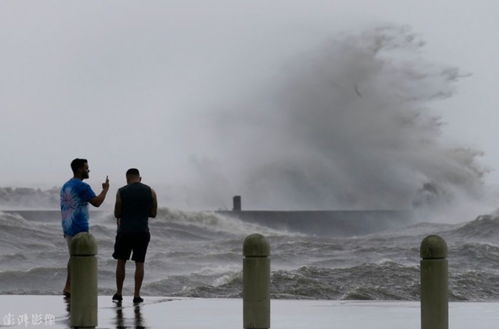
(434, 283)
(83, 281)
(256, 282)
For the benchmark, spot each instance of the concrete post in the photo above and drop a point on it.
(434, 283)
(83, 281)
(236, 203)
(256, 282)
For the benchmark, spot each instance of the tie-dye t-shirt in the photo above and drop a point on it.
(75, 195)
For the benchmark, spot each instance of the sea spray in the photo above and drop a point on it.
(348, 125)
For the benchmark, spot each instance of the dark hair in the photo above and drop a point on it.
(77, 164)
(133, 172)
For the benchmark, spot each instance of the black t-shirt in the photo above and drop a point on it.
(136, 203)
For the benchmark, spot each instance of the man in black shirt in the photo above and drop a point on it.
(135, 203)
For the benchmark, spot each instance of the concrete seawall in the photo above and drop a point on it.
(330, 223)
(177, 313)
(327, 223)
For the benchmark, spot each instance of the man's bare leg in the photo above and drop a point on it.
(120, 276)
(67, 286)
(139, 276)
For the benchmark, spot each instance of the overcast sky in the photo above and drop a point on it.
(148, 84)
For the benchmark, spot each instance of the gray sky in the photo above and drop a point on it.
(154, 85)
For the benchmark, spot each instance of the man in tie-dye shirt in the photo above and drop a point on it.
(75, 196)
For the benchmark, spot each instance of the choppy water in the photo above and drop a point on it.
(199, 254)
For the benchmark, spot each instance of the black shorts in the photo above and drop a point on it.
(128, 241)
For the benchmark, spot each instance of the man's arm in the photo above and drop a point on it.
(154, 206)
(117, 206)
(99, 199)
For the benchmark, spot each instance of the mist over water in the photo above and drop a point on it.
(348, 125)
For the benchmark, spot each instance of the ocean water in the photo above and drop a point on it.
(199, 254)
